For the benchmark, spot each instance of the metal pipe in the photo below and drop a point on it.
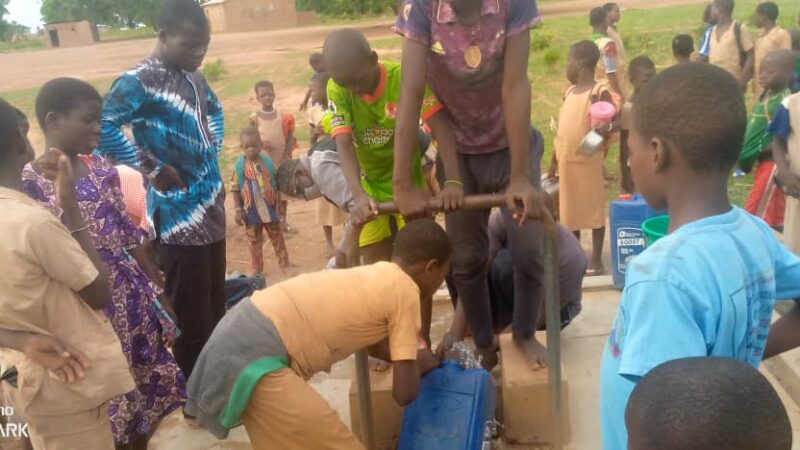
(483, 201)
(365, 401)
(553, 316)
(367, 426)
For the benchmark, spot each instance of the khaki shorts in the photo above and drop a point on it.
(286, 413)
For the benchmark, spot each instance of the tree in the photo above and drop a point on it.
(5, 27)
(95, 11)
(128, 13)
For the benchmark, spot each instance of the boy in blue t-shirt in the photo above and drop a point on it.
(708, 288)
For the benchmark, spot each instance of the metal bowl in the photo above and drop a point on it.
(592, 143)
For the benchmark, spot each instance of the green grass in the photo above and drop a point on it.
(114, 34)
(24, 99)
(33, 43)
(390, 43)
(645, 31)
(234, 121)
(293, 73)
(24, 45)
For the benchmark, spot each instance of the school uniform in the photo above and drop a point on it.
(256, 364)
(724, 49)
(43, 268)
(582, 197)
(775, 39)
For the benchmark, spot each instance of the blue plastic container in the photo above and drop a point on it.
(627, 238)
(453, 411)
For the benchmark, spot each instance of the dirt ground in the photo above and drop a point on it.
(306, 246)
(102, 61)
(29, 69)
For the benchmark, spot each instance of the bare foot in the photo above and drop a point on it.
(489, 357)
(378, 365)
(535, 353)
(595, 271)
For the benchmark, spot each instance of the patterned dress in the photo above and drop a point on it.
(160, 385)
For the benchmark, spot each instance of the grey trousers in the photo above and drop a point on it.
(468, 230)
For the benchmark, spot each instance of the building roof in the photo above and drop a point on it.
(67, 21)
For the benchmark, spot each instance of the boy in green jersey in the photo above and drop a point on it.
(363, 98)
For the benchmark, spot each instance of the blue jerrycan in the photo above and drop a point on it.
(453, 411)
(627, 238)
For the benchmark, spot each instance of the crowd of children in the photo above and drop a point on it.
(102, 335)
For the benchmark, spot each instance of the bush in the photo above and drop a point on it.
(214, 70)
(551, 57)
(540, 41)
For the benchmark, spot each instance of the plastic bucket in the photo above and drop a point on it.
(655, 228)
(602, 112)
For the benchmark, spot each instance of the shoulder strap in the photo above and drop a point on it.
(569, 90)
(737, 33)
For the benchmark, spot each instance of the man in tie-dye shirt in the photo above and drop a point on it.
(177, 124)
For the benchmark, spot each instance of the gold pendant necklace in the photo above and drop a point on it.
(473, 56)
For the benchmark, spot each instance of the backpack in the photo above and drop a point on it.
(237, 288)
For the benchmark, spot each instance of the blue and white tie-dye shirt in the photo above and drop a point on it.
(176, 120)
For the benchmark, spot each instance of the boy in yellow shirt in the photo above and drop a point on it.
(254, 367)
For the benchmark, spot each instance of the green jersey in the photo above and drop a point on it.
(371, 121)
(758, 137)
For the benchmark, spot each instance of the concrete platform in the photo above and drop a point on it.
(582, 345)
